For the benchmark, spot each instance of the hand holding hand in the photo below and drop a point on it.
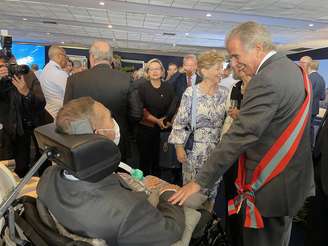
(185, 192)
(160, 123)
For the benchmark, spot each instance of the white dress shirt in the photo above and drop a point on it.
(53, 82)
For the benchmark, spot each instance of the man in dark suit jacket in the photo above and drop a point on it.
(181, 81)
(318, 88)
(317, 223)
(273, 98)
(105, 85)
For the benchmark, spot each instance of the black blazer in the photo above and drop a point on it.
(320, 155)
(107, 86)
(179, 83)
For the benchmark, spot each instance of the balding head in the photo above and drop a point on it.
(58, 55)
(305, 63)
(100, 51)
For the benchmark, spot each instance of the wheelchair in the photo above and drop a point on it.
(27, 222)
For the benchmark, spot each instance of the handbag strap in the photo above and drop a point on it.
(193, 105)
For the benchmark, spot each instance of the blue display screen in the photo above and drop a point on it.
(29, 54)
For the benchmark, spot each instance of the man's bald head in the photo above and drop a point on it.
(101, 50)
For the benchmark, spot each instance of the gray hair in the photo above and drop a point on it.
(77, 64)
(251, 33)
(75, 110)
(54, 50)
(190, 57)
(101, 51)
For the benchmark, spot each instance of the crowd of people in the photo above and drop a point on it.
(249, 125)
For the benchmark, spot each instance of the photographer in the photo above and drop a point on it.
(21, 103)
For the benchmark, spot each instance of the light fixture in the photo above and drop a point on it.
(24, 19)
(311, 25)
(187, 33)
(173, 44)
(62, 42)
(48, 33)
(208, 15)
(110, 26)
(101, 3)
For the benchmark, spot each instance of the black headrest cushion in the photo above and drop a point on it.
(89, 157)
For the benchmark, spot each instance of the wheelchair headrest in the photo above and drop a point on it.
(89, 157)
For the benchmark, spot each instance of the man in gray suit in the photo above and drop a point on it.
(273, 98)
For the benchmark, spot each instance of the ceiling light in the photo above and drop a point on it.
(208, 15)
(110, 26)
(173, 44)
(311, 25)
(24, 19)
(62, 42)
(101, 3)
(187, 33)
(48, 33)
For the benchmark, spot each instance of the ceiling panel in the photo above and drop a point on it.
(141, 23)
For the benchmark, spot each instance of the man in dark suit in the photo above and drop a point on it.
(274, 96)
(317, 223)
(105, 85)
(181, 81)
(318, 88)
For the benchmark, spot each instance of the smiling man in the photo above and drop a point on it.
(270, 137)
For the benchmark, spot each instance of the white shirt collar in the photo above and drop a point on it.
(55, 64)
(271, 53)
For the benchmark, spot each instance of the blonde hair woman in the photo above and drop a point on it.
(159, 104)
(210, 114)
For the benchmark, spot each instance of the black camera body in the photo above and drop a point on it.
(13, 68)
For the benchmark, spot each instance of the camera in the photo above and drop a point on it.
(13, 68)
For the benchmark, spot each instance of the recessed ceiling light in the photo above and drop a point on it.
(311, 25)
(48, 33)
(24, 19)
(62, 42)
(110, 26)
(101, 3)
(187, 33)
(208, 15)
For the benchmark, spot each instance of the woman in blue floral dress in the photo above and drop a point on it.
(210, 114)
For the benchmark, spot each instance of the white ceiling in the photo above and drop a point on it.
(140, 24)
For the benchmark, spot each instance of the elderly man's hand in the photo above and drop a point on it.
(185, 192)
(3, 71)
(20, 84)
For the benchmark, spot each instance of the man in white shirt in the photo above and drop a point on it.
(53, 80)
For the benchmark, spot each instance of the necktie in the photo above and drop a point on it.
(188, 80)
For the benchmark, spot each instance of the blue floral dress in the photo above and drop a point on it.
(210, 114)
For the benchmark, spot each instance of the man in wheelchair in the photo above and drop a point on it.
(94, 202)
